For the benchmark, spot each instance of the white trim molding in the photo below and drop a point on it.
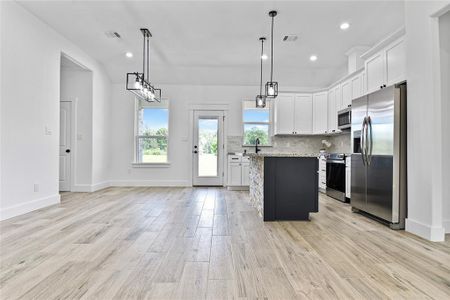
(29, 206)
(432, 233)
(446, 225)
(152, 183)
(89, 188)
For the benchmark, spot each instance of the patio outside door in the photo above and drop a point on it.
(208, 148)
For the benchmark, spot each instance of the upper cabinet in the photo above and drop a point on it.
(293, 114)
(303, 114)
(334, 105)
(386, 67)
(351, 88)
(320, 115)
(284, 114)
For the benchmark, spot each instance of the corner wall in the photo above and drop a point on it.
(424, 127)
(30, 95)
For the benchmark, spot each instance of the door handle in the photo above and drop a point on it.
(363, 142)
(370, 140)
(67, 150)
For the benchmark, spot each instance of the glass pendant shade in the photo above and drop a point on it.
(271, 89)
(260, 101)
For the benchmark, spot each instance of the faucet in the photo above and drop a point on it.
(257, 142)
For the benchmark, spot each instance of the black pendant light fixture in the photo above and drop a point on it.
(271, 86)
(261, 99)
(139, 83)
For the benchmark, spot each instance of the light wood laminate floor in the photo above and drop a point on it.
(195, 243)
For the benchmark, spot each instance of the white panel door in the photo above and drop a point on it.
(375, 72)
(234, 174)
(65, 138)
(320, 113)
(346, 94)
(245, 173)
(396, 63)
(332, 113)
(208, 148)
(284, 114)
(356, 87)
(303, 114)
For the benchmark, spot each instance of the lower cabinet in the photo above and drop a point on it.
(238, 172)
(348, 178)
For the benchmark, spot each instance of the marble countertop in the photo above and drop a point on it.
(276, 154)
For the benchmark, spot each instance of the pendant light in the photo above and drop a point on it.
(271, 86)
(261, 99)
(139, 83)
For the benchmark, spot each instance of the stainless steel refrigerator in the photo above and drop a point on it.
(378, 162)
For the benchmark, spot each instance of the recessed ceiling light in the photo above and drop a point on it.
(313, 58)
(129, 54)
(345, 26)
(264, 56)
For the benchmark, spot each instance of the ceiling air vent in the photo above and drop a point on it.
(112, 35)
(290, 38)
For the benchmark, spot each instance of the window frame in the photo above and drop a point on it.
(139, 104)
(269, 123)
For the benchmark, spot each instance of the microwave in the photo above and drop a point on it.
(345, 118)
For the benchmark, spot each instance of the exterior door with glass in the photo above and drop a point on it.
(207, 148)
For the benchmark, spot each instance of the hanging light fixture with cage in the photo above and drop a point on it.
(261, 98)
(271, 86)
(139, 83)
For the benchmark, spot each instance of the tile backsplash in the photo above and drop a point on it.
(296, 144)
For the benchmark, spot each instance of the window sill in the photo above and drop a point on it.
(150, 165)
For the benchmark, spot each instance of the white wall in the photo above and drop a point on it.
(181, 98)
(76, 86)
(424, 129)
(444, 34)
(30, 93)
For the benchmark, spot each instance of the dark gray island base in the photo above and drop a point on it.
(290, 186)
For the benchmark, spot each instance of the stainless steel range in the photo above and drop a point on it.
(336, 176)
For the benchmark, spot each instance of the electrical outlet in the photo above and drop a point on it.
(36, 187)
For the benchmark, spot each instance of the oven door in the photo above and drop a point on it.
(336, 175)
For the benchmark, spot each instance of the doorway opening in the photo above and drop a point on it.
(208, 148)
(75, 138)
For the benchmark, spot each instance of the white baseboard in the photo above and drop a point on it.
(155, 183)
(446, 225)
(26, 207)
(432, 233)
(89, 188)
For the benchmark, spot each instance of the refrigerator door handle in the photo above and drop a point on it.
(370, 141)
(363, 141)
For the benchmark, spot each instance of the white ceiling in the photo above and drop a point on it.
(216, 42)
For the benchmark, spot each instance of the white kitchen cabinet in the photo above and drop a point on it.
(386, 67)
(332, 113)
(357, 90)
(293, 114)
(346, 88)
(238, 171)
(303, 114)
(375, 72)
(284, 114)
(348, 177)
(320, 113)
(395, 62)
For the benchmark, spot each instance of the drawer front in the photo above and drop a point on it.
(234, 158)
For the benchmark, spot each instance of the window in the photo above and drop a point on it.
(152, 137)
(257, 124)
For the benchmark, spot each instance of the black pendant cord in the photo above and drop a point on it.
(262, 53)
(148, 59)
(143, 59)
(271, 52)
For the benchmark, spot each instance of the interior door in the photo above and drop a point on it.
(65, 138)
(208, 148)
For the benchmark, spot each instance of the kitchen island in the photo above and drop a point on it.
(284, 186)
